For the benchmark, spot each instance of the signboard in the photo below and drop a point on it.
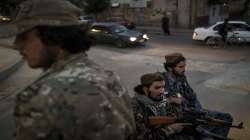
(138, 3)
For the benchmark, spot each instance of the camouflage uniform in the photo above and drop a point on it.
(145, 107)
(182, 87)
(74, 100)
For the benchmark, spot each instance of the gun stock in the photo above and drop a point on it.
(161, 120)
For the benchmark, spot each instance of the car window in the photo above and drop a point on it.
(248, 28)
(239, 27)
(119, 28)
(217, 27)
(245, 27)
(230, 27)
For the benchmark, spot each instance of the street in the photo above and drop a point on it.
(220, 76)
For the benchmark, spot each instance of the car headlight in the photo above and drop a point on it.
(95, 30)
(145, 36)
(195, 34)
(132, 39)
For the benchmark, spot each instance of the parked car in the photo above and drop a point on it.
(114, 33)
(206, 34)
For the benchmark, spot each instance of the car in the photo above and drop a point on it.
(87, 19)
(206, 34)
(4, 19)
(114, 33)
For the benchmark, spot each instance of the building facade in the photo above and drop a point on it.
(182, 13)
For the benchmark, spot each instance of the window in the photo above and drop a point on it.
(239, 27)
(217, 27)
(248, 28)
(119, 28)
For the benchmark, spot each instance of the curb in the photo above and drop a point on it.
(158, 31)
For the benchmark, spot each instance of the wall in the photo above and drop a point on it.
(167, 6)
(202, 13)
(214, 14)
(183, 12)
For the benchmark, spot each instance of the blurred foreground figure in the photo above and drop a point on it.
(74, 99)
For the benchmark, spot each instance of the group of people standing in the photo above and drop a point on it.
(76, 99)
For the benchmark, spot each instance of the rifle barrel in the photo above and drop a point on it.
(239, 126)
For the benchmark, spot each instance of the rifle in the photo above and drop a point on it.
(196, 118)
(201, 117)
(164, 120)
(161, 120)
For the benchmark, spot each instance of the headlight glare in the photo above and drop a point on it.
(145, 36)
(195, 34)
(132, 39)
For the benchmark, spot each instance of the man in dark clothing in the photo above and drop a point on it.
(165, 24)
(224, 30)
(150, 101)
(176, 83)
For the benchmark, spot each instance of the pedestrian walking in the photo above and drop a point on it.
(165, 24)
(223, 31)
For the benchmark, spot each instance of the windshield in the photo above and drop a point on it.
(119, 28)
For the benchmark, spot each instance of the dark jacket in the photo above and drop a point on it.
(145, 107)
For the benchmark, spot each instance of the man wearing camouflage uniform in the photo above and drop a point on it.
(74, 99)
(149, 101)
(177, 84)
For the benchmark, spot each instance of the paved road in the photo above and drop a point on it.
(212, 72)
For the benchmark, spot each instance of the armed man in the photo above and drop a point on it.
(74, 99)
(150, 101)
(177, 84)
